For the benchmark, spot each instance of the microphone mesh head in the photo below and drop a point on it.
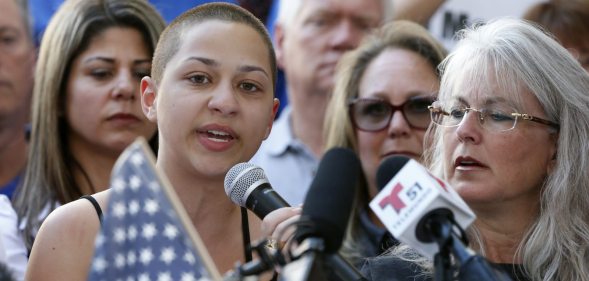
(239, 179)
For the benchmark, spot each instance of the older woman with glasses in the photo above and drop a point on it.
(380, 109)
(510, 135)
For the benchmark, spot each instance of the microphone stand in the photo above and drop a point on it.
(438, 226)
(312, 263)
(308, 262)
(251, 270)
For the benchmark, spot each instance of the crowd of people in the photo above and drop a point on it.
(503, 117)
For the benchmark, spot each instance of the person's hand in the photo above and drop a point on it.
(279, 226)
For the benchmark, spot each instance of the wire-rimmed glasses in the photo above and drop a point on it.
(496, 117)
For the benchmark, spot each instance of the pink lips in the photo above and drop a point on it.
(124, 119)
(468, 163)
(216, 137)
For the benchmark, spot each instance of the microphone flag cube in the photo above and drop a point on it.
(409, 196)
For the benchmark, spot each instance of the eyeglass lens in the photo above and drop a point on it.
(376, 115)
(495, 118)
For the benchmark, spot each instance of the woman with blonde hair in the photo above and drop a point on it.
(86, 106)
(379, 109)
(510, 132)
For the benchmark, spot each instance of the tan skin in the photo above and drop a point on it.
(103, 84)
(219, 85)
(103, 109)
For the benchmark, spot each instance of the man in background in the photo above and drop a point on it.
(310, 37)
(17, 59)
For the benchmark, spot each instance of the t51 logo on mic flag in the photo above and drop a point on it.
(146, 234)
(393, 199)
(409, 196)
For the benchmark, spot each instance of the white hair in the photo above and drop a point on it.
(515, 55)
(289, 9)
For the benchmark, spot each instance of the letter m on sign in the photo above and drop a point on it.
(393, 199)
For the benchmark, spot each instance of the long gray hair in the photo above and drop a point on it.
(515, 55)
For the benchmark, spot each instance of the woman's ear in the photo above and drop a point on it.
(553, 153)
(275, 105)
(149, 98)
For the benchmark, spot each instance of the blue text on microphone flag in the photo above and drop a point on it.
(145, 234)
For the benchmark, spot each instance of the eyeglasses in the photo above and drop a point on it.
(373, 115)
(496, 118)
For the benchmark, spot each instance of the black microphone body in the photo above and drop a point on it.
(328, 207)
(247, 185)
(263, 200)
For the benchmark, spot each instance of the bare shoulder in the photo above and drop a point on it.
(65, 242)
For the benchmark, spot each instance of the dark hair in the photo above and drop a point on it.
(170, 40)
(48, 178)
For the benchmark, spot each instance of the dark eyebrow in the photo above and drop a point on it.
(104, 59)
(251, 68)
(6, 28)
(210, 62)
(112, 61)
(242, 68)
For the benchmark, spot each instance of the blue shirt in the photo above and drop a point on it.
(288, 163)
(10, 187)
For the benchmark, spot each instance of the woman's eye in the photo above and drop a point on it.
(500, 116)
(141, 74)
(199, 79)
(457, 113)
(7, 40)
(375, 109)
(249, 87)
(101, 73)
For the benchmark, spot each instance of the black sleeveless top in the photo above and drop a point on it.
(96, 206)
(244, 225)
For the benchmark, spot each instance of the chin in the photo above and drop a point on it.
(121, 144)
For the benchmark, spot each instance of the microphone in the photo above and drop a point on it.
(424, 212)
(389, 168)
(247, 186)
(409, 193)
(328, 204)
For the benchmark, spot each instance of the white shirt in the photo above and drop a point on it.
(287, 162)
(13, 252)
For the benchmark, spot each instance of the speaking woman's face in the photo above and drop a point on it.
(215, 103)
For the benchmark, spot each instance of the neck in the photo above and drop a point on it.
(503, 229)
(13, 150)
(214, 216)
(93, 174)
(308, 112)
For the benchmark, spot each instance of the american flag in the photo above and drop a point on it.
(145, 233)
